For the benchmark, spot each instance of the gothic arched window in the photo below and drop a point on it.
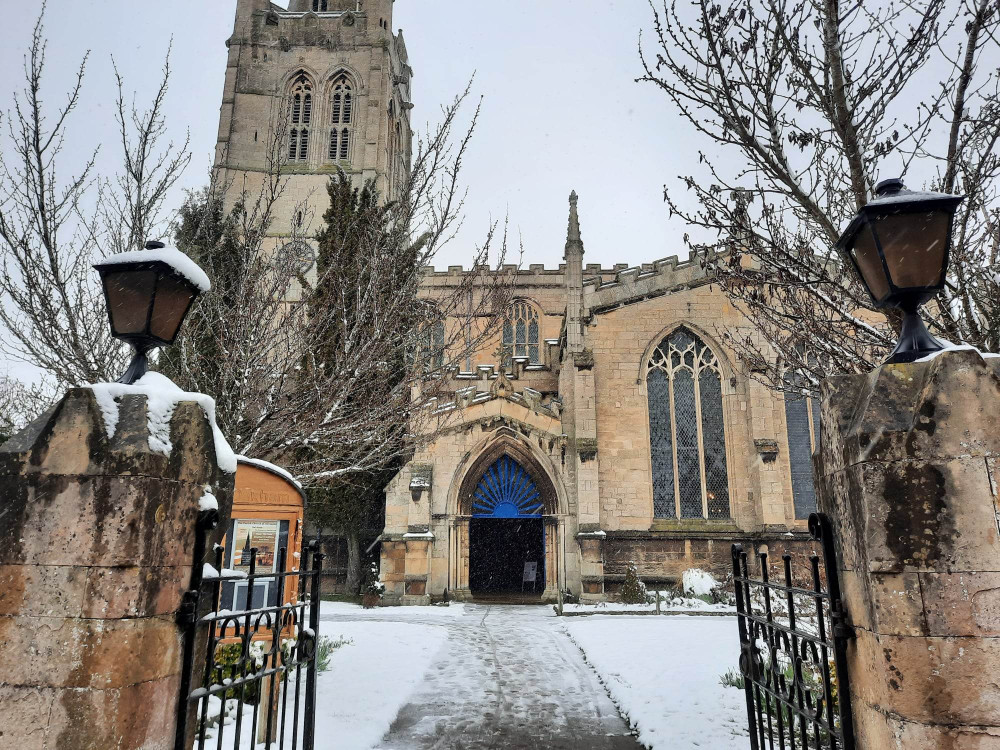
(686, 431)
(299, 117)
(341, 118)
(802, 425)
(520, 333)
(319, 5)
(431, 347)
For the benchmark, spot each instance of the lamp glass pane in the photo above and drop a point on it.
(129, 295)
(914, 245)
(173, 297)
(866, 256)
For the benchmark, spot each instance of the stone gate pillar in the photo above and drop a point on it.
(908, 472)
(96, 549)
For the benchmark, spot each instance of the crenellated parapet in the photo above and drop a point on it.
(490, 383)
(631, 284)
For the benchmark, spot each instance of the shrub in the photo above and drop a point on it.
(733, 678)
(633, 590)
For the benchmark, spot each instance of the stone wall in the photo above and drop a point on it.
(909, 476)
(98, 536)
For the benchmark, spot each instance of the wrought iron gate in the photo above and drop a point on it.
(793, 638)
(252, 664)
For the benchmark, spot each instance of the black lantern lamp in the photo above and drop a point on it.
(147, 301)
(899, 245)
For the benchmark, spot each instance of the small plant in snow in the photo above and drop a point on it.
(733, 678)
(325, 649)
(373, 588)
(633, 590)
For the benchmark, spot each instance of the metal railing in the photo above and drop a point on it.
(249, 673)
(793, 639)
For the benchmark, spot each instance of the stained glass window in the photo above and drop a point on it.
(687, 430)
(520, 333)
(802, 425)
(661, 443)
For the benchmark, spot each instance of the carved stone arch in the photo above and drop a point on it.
(290, 76)
(334, 71)
(506, 442)
(722, 356)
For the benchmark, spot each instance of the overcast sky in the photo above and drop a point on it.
(561, 109)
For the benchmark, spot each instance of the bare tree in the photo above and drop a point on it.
(54, 226)
(333, 363)
(807, 98)
(325, 366)
(20, 403)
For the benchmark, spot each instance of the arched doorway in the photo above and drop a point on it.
(506, 532)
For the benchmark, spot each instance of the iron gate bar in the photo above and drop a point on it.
(772, 695)
(276, 661)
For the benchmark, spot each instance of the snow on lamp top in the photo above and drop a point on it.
(156, 252)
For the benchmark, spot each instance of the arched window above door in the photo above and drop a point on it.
(506, 490)
(686, 429)
(520, 333)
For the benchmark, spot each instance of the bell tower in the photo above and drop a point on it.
(322, 86)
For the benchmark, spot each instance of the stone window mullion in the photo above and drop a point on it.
(673, 440)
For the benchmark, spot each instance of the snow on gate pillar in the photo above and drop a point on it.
(98, 507)
(908, 473)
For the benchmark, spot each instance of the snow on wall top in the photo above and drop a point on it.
(162, 397)
(174, 258)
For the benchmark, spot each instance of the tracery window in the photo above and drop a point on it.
(341, 119)
(320, 5)
(520, 333)
(686, 429)
(431, 347)
(802, 425)
(299, 117)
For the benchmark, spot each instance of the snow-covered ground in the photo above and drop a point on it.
(663, 674)
(436, 671)
(370, 679)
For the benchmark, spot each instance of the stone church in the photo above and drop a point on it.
(616, 426)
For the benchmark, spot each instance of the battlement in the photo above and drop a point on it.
(630, 284)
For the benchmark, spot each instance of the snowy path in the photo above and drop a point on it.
(506, 677)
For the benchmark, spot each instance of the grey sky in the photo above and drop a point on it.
(561, 110)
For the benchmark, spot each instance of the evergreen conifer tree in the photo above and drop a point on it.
(633, 590)
(363, 260)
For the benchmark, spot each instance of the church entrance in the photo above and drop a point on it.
(506, 532)
(506, 555)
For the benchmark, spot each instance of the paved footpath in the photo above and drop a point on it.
(508, 678)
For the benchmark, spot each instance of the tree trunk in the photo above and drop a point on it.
(353, 583)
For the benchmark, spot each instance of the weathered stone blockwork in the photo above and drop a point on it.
(909, 473)
(98, 536)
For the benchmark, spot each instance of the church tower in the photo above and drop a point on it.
(321, 86)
